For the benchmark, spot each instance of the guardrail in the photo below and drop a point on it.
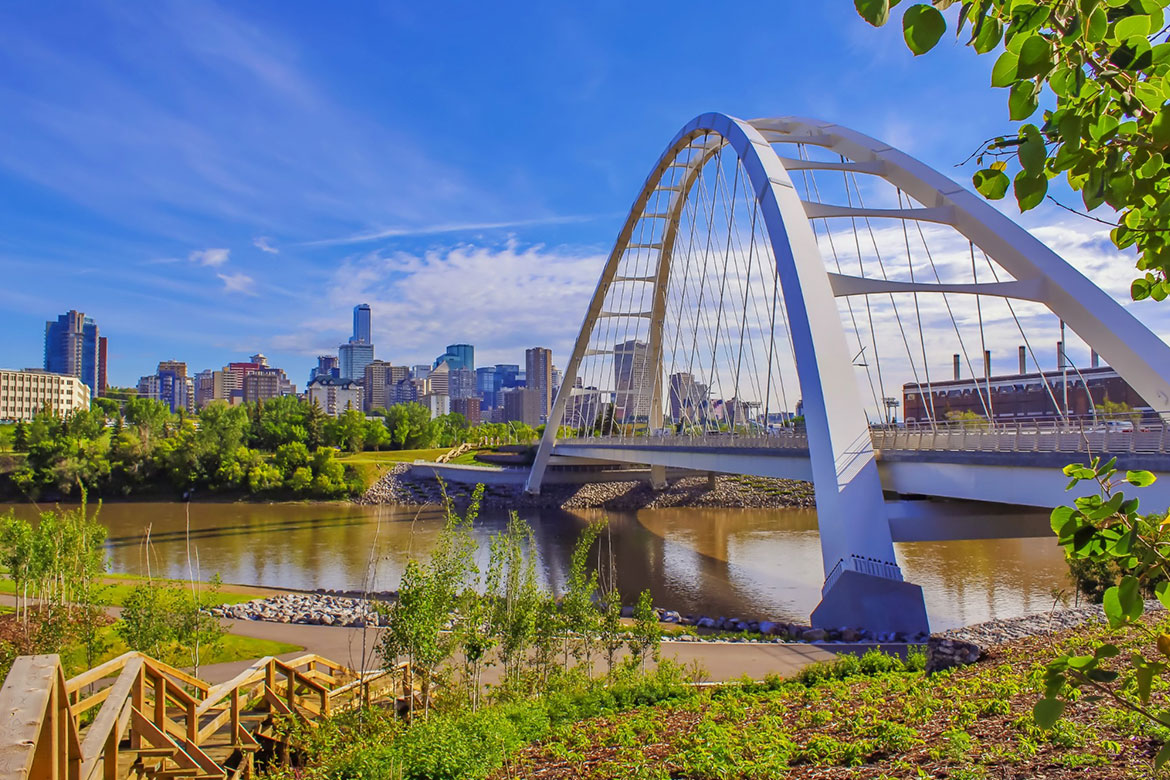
(159, 722)
(1145, 438)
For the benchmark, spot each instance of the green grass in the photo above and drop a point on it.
(230, 647)
(118, 587)
(392, 456)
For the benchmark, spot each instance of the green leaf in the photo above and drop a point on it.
(1030, 190)
(1139, 291)
(1097, 27)
(876, 12)
(1144, 674)
(1162, 591)
(1047, 712)
(1022, 101)
(1129, 597)
(1032, 152)
(922, 26)
(1035, 57)
(1160, 126)
(1131, 26)
(1163, 756)
(991, 184)
(1003, 73)
(1106, 651)
(1111, 603)
(989, 35)
(1140, 478)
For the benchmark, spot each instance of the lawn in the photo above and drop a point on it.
(118, 587)
(229, 648)
(392, 456)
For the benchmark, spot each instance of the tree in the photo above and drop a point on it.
(579, 616)
(1106, 528)
(646, 637)
(1103, 65)
(410, 426)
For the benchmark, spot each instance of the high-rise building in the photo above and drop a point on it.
(521, 404)
(352, 359)
(420, 371)
(461, 383)
(24, 393)
(362, 324)
(583, 407)
(173, 387)
(72, 348)
(458, 356)
(632, 380)
(485, 383)
(327, 366)
(688, 398)
(538, 376)
(208, 387)
(103, 355)
(266, 383)
(379, 385)
(469, 408)
(438, 403)
(439, 380)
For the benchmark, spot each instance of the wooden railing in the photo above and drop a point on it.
(153, 720)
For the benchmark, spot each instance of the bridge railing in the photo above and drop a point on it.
(1076, 436)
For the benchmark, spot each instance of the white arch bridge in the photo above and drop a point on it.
(781, 266)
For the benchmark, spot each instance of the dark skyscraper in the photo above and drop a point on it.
(361, 324)
(72, 347)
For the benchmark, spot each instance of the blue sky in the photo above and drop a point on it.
(208, 180)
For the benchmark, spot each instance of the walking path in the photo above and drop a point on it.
(722, 660)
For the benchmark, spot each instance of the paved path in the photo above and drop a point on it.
(722, 660)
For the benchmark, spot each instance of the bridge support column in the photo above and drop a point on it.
(658, 477)
(853, 599)
(711, 483)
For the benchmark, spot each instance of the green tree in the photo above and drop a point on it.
(1102, 66)
(410, 427)
(579, 617)
(646, 637)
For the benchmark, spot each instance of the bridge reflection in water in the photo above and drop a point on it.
(737, 563)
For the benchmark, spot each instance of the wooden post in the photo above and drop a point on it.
(160, 702)
(291, 676)
(138, 695)
(110, 756)
(192, 723)
(236, 716)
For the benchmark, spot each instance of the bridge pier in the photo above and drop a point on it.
(711, 481)
(855, 599)
(658, 477)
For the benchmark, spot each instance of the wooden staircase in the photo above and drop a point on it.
(158, 722)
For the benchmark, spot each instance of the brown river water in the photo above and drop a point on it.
(746, 563)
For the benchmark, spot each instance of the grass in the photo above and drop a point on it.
(870, 717)
(230, 647)
(118, 587)
(371, 465)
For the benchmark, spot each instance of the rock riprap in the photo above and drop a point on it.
(315, 609)
(404, 484)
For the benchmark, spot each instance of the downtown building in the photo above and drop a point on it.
(171, 385)
(538, 376)
(24, 393)
(632, 381)
(357, 353)
(75, 347)
(334, 396)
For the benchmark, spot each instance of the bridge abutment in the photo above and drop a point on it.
(858, 600)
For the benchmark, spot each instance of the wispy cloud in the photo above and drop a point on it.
(211, 257)
(238, 283)
(456, 227)
(264, 244)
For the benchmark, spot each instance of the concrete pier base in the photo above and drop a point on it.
(857, 600)
(711, 484)
(658, 477)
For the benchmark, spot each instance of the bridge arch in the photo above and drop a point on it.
(857, 547)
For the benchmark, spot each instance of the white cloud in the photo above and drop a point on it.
(210, 257)
(241, 283)
(502, 298)
(263, 243)
(455, 227)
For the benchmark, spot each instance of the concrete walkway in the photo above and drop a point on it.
(721, 660)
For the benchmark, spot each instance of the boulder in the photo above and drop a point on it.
(850, 635)
(946, 653)
(766, 627)
(813, 635)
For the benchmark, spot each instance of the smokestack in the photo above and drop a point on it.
(986, 363)
(1094, 359)
(956, 362)
(1023, 360)
(1060, 356)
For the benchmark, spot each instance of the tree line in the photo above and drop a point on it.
(285, 446)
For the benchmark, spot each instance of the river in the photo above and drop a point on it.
(735, 562)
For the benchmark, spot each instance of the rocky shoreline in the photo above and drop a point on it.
(403, 485)
(948, 648)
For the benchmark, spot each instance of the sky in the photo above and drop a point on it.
(210, 180)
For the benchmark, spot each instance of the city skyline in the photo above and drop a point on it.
(184, 183)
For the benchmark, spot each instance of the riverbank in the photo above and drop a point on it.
(405, 485)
